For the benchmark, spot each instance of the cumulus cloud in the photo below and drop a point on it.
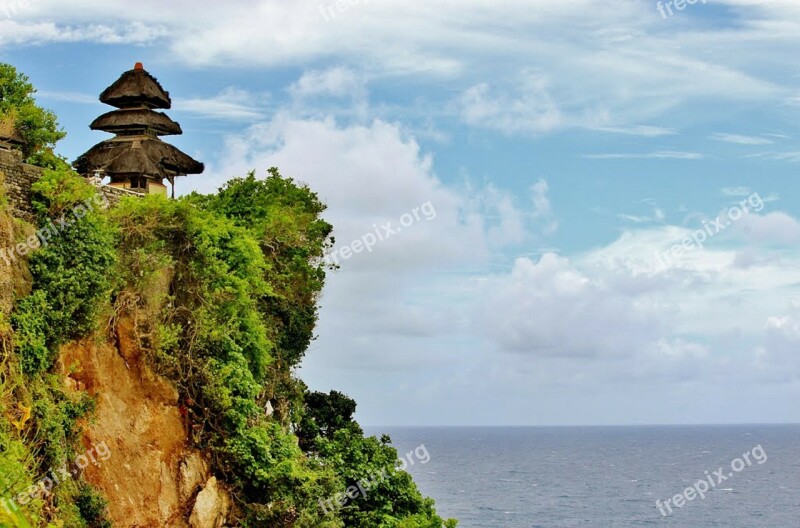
(689, 319)
(430, 284)
(443, 307)
(531, 110)
(550, 308)
(776, 227)
(338, 82)
(776, 357)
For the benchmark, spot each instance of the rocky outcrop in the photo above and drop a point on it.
(153, 477)
(211, 507)
(193, 474)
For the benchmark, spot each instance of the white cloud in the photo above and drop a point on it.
(530, 110)
(740, 139)
(598, 69)
(775, 227)
(542, 209)
(789, 156)
(71, 97)
(372, 174)
(640, 130)
(776, 358)
(736, 191)
(696, 316)
(539, 307)
(230, 104)
(429, 285)
(339, 82)
(28, 33)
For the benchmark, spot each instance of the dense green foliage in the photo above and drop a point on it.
(71, 285)
(284, 219)
(231, 283)
(324, 415)
(71, 271)
(38, 127)
(224, 293)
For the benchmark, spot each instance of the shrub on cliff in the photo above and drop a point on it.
(72, 270)
(38, 417)
(235, 315)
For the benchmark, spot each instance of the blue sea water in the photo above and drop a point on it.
(606, 477)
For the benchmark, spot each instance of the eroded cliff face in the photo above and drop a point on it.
(152, 478)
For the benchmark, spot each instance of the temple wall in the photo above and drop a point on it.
(19, 177)
(18, 180)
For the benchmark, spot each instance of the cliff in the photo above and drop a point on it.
(149, 349)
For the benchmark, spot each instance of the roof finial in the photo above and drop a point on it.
(138, 66)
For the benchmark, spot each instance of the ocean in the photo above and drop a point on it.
(609, 477)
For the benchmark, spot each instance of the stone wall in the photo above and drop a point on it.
(18, 180)
(115, 194)
(19, 177)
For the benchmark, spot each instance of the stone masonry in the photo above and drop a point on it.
(19, 177)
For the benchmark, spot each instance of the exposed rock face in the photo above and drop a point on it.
(193, 474)
(152, 477)
(211, 507)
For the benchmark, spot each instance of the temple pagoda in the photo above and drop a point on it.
(136, 158)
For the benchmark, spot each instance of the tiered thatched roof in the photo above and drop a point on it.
(136, 119)
(137, 155)
(135, 87)
(136, 150)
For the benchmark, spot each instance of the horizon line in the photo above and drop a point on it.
(520, 426)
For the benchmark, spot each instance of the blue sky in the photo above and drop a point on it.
(561, 144)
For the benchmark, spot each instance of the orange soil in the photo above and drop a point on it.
(138, 418)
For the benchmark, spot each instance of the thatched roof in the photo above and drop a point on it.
(136, 87)
(119, 121)
(9, 132)
(143, 155)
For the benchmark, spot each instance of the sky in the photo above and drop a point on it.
(546, 212)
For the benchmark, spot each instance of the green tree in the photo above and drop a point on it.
(38, 127)
(393, 499)
(284, 217)
(324, 415)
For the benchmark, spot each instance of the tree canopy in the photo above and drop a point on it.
(37, 126)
